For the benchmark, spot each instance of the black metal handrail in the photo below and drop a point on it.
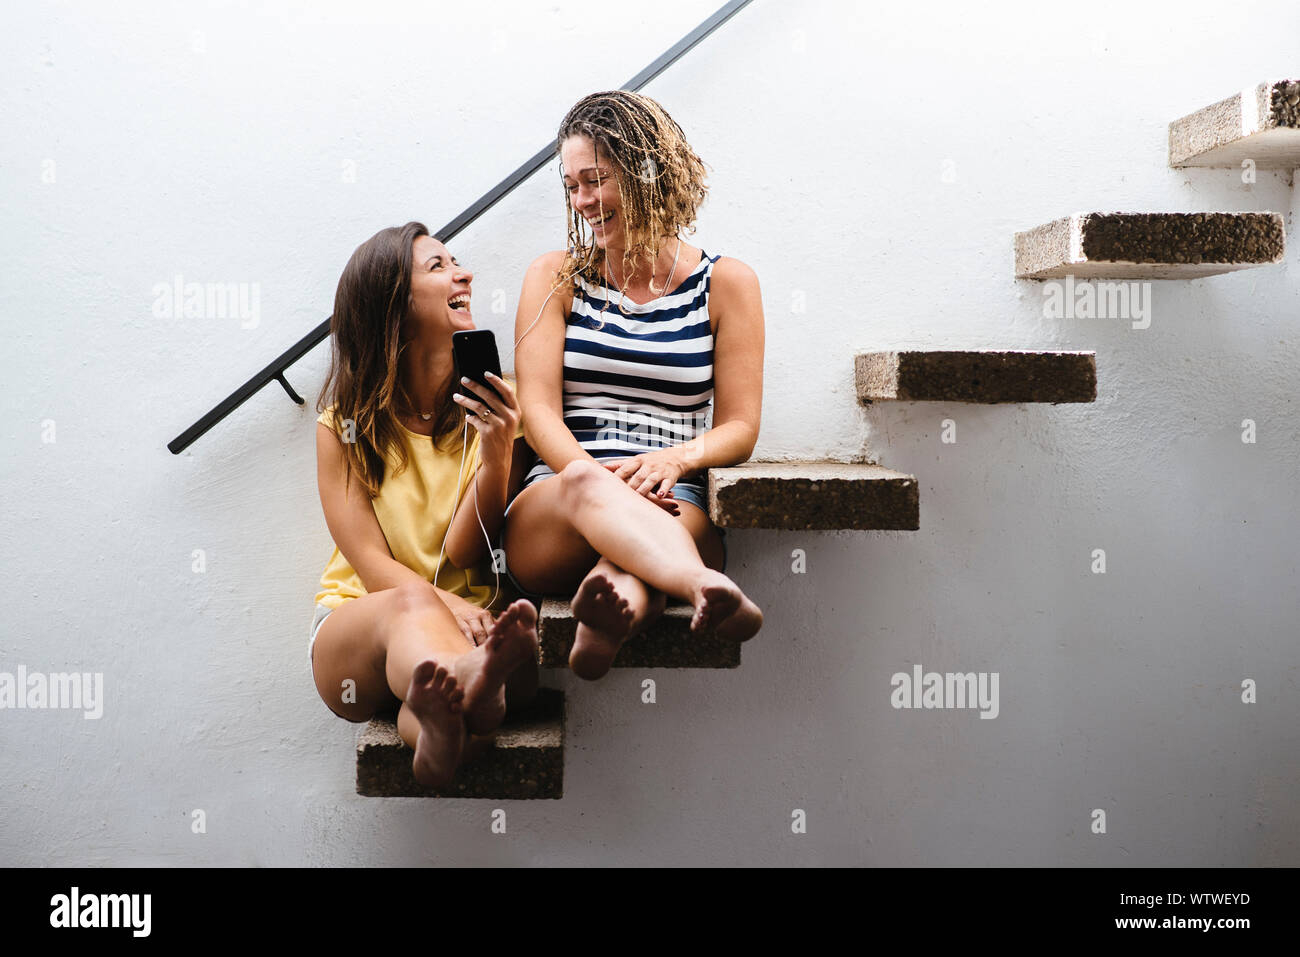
(275, 370)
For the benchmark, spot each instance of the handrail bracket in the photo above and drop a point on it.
(279, 377)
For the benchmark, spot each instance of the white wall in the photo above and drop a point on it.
(210, 140)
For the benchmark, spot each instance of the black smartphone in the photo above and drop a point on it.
(475, 352)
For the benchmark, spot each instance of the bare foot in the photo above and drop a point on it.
(722, 606)
(436, 699)
(604, 621)
(476, 746)
(511, 641)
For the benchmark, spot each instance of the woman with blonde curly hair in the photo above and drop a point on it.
(637, 336)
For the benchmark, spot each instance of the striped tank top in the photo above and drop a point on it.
(642, 381)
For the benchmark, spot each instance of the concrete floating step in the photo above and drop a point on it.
(525, 761)
(1148, 245)
(799, 496)
(667, 643)
(1261, 123)
(976, 376)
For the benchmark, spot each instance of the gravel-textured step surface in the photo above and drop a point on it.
(976, 376)
(526, 759)
(1148, 245)
(1261, 123)
(667, 643)
(800, 496)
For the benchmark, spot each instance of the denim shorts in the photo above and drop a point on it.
(697, 495)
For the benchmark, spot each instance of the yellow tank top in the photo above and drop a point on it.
(414, 511)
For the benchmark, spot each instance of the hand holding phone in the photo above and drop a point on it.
(475, 353)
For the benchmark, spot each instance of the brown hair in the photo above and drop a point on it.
(370, 308)
(660, 178)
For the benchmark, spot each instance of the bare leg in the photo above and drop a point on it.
(511, 643)
(610, 606)
(401, 643)
(558, 529)
(521, 686)
(600, 634)
(434, 701)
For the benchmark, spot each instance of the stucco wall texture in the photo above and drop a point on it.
(871, 163)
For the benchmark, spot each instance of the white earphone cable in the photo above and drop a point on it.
(461, 474)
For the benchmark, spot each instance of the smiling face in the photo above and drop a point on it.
(440, 288)
(591, 181)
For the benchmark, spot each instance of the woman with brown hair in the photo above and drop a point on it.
(637, 336)
(413, 503)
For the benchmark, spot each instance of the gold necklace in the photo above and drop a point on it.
(411, 410)
(667, 282)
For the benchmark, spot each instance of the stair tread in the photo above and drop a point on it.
(1260, 123)
(667, 643)
(525, 761)
(809, 496)
(976, 375)
(1120, 245)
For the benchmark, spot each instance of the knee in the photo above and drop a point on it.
(579, 477)
(332, 695)
(412, 598)
(352, 713)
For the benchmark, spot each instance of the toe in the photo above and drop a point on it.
(424, 671)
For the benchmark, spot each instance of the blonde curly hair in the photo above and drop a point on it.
(660, 179)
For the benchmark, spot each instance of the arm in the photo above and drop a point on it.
(539, 364)
(355, 529)
(737, 369)
(490, 486)
(737, 389)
